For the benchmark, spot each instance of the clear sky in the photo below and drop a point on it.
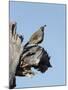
(29, 17)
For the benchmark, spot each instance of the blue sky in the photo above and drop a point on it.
(29, 17)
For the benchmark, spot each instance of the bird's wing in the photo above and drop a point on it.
(38, 36)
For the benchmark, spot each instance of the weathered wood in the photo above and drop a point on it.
(24, 57)
(40, 60)
(16, 49)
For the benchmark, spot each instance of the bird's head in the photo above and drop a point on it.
(42, 27)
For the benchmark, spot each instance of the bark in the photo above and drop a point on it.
(24, 57)
(16, 49)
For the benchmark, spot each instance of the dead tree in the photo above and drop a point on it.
(16, 49)
(24, 57)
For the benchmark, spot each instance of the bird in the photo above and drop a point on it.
(37, 37)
